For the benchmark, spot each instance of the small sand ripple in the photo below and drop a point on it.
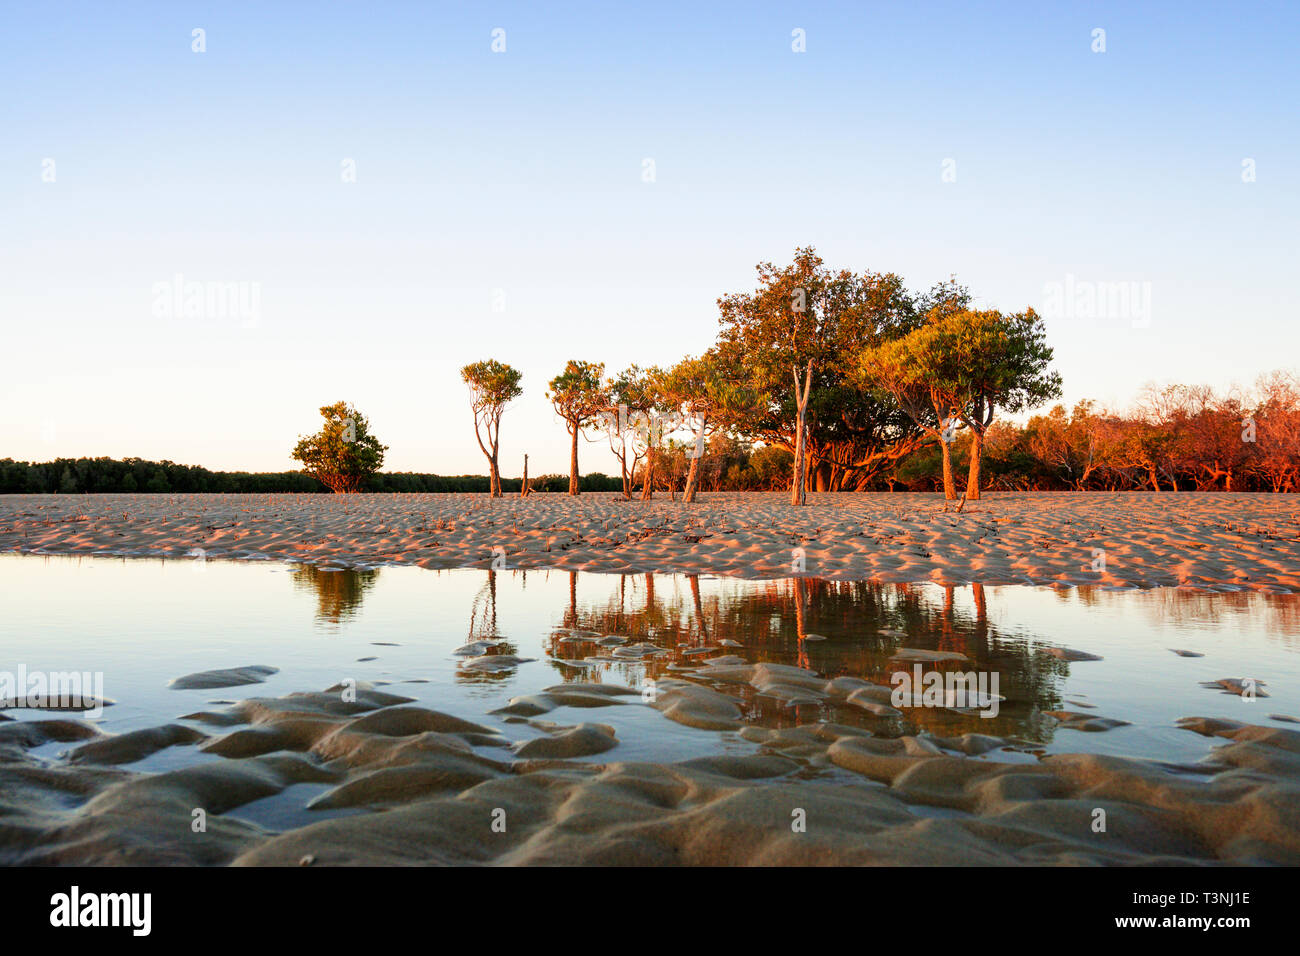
(1118, 539)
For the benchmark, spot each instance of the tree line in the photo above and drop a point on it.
(133, 475)
(818, 380)
(1176, 437)
(848, 373)
(835, 380)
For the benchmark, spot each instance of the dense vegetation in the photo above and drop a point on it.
(76, 475)
(849, 373)
(1177, 438)
(1174, 438)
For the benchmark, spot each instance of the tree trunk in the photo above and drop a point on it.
(688, 496)
(797, 496)
(494, 487)
(799, 482)
(648, 476)
(949, 485)
(523, 489)
(699, 609)
(800, 625)
(573, 463)
(973, 477)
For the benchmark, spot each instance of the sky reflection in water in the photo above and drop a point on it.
(143, 622)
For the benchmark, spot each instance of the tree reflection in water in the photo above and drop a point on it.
(339, 593)
(831, 627)
(1179, 607)
(483, 627)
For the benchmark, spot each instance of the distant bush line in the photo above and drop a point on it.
(102, 475)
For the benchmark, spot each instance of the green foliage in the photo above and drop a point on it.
(493, 385)
(399, 482)
(158, 482)
(577, 393)
(343, 453)
(921, 471)
(710, 388)
(632, 388)
(770, 466)
(107, 475)
(962, 366)
(887, 366)
(595, 481)
(986, 359)
(966, 362)
(804, 313)
(579, 397)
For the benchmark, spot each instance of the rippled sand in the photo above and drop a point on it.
(1213, 540)
(457, 792)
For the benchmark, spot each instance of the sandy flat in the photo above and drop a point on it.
(436, 788)
(1120, 539)
(455, 792)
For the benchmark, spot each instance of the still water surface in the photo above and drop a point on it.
(143, 622)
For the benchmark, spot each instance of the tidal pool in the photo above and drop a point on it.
(143, 622)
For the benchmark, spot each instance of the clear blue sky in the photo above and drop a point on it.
(522, 171)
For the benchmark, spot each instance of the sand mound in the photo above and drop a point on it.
(136, 745)
(1073, 720)
(583, 740)
(696, 706)
(454, 791)
(230, 677)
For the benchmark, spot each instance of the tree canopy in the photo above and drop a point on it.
(578, 396)
(960, 366)
(712, 398)
(343, 453)
(807, 323)
(493, 385)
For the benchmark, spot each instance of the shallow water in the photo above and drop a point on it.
(143, 622)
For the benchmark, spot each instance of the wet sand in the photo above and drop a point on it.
(540, 782)
(1121, 539)
(458, 792)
